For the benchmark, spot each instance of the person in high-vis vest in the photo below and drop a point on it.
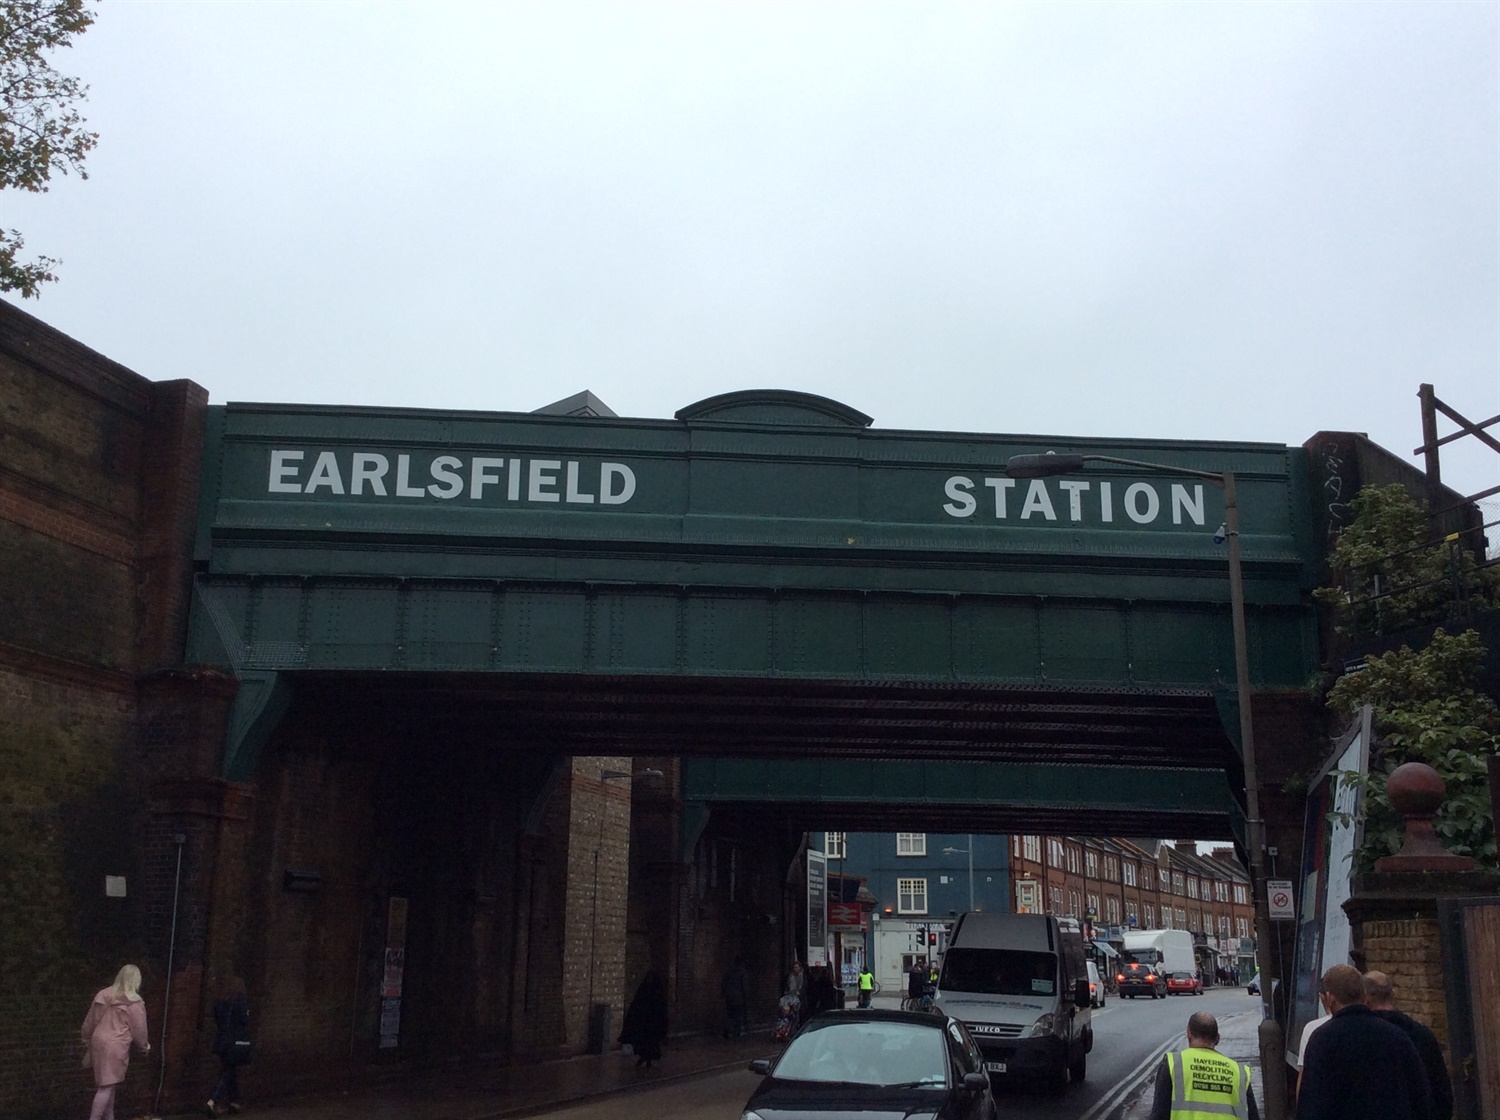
(1199, 1083)
(866, 985)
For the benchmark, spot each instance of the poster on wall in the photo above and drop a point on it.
(394, 973)
(1331, 835)
(817, 909)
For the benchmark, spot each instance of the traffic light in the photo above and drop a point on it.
(931, 938)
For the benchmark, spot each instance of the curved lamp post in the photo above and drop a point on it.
(1273, 1069)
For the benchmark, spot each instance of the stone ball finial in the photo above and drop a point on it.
(1417, 791)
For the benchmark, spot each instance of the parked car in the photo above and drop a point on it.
(876, 1063)
(1184, 984)
(1096, 986)
(1136, 979)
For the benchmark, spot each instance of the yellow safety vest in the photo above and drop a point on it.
(1208, 1086)
(866, 982)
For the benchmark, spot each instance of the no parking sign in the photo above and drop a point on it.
(1279, 900)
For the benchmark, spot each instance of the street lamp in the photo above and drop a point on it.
(1271, 1049)
(969, 851)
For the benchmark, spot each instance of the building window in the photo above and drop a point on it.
(1132, 917)
(1091, 864)
(1111, 868)
(1072, 860)
(1181, 918)
(1015, 847)
(833, 845)
(1093, 901)
(1112, 910)
(1055, 900)
(1146, 878)
(1221, 891)
(1177, 882)
(1075, 909)
(911, 896)
(1192, 885)
(911, 844)
(1033, 846)
(1150, 916)
(1129, 873)
(1054, 852)
(1166, 917)
(1239, 893)
(1193, 920)
(1244, 928)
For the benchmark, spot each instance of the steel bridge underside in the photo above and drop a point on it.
(854, 756)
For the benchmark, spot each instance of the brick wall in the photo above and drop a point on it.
(98, 481)
(1409, 950)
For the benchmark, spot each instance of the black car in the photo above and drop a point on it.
(1135, 979)
(902, 1065)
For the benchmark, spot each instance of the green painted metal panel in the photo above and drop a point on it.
(908, 640)
(729, 634)
(544, 630)
(450, 626)
(820, 636)
(638, 631)
(353, 627)
(1082, 643)
(996, 640)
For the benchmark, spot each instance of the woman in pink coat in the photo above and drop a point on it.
(116, 1018)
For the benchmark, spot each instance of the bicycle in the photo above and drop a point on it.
(924, 1002)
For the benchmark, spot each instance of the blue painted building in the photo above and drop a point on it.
(921, 881)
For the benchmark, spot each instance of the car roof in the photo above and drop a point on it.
(879, 1015)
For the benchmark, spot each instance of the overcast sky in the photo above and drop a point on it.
(1197, 221)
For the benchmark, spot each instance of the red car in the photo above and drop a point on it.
(1184, 983)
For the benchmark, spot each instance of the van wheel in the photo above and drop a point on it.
(1057, 1083)
(1079, 1069)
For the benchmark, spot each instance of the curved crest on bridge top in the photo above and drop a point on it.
(775, 406)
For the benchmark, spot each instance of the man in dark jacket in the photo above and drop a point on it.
(1357, 1065)
(1379, 996)
(736, 991)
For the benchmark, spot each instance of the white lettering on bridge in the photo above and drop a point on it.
(1073, 500)
(478, 477)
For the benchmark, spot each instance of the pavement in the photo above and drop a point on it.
(480, 1090)
(1239, 1038)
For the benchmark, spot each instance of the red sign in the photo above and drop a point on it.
(845, 915)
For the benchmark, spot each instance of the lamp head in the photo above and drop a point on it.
(1043, 466)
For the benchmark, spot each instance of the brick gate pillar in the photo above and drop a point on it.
(1393, 912)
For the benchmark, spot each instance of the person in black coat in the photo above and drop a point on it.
(1357, 1065)
(232, 1045)
(1379, 996)
(646, 1020)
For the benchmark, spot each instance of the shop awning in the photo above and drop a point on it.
(1106, 948)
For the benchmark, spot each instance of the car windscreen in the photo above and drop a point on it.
(1000, 972)
(871, 1052)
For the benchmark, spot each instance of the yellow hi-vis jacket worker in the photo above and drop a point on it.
(866, 986)
(1199, 1083)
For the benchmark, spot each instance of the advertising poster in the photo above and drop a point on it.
(393, 973)
(1327, 875)
(817, 909)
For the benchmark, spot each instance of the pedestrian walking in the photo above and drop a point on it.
(916, 980)
(866, 985)
(231, 1045)
(1198, 1082)
(645, 1022)
(736, 992)
(116, 1020)
(796, 982)
(821, 994)
(1380, 998)
(1357, 1065)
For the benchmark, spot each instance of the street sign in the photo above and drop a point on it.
(1279, 900)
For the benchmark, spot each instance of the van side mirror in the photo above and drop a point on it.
(1081, 993)
(761, 1066)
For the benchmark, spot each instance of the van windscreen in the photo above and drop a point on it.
(999, 972)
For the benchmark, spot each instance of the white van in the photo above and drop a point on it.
(1019, 982)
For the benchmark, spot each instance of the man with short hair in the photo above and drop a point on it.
(1199, 1083)
(1379, 997)
(1357, 1065)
